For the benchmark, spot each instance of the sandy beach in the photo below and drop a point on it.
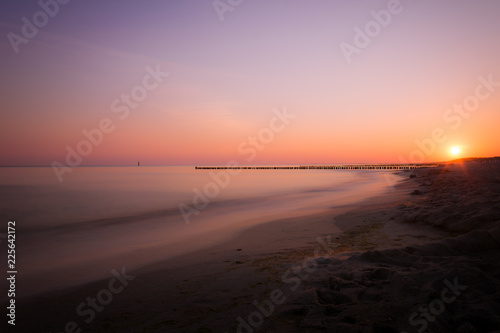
(423, 257)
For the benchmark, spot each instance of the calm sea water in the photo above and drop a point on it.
(101, 218)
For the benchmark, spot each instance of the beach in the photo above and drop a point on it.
(420, 257)
(250, 166)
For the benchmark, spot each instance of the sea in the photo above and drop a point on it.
(98, 219)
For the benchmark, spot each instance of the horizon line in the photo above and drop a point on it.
(215, 165)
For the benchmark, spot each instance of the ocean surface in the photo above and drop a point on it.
(103, 218)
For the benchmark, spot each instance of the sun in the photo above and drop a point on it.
(455, 150)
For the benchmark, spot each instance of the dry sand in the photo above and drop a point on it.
(428, 261)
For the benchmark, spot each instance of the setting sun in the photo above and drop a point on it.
(455, 150)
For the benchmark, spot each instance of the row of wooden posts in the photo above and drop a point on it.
(330, 167)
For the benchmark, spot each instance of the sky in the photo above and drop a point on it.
(197, 82)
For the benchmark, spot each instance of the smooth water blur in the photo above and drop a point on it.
(100, 218)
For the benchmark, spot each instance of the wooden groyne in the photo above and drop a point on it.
(327, 167)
